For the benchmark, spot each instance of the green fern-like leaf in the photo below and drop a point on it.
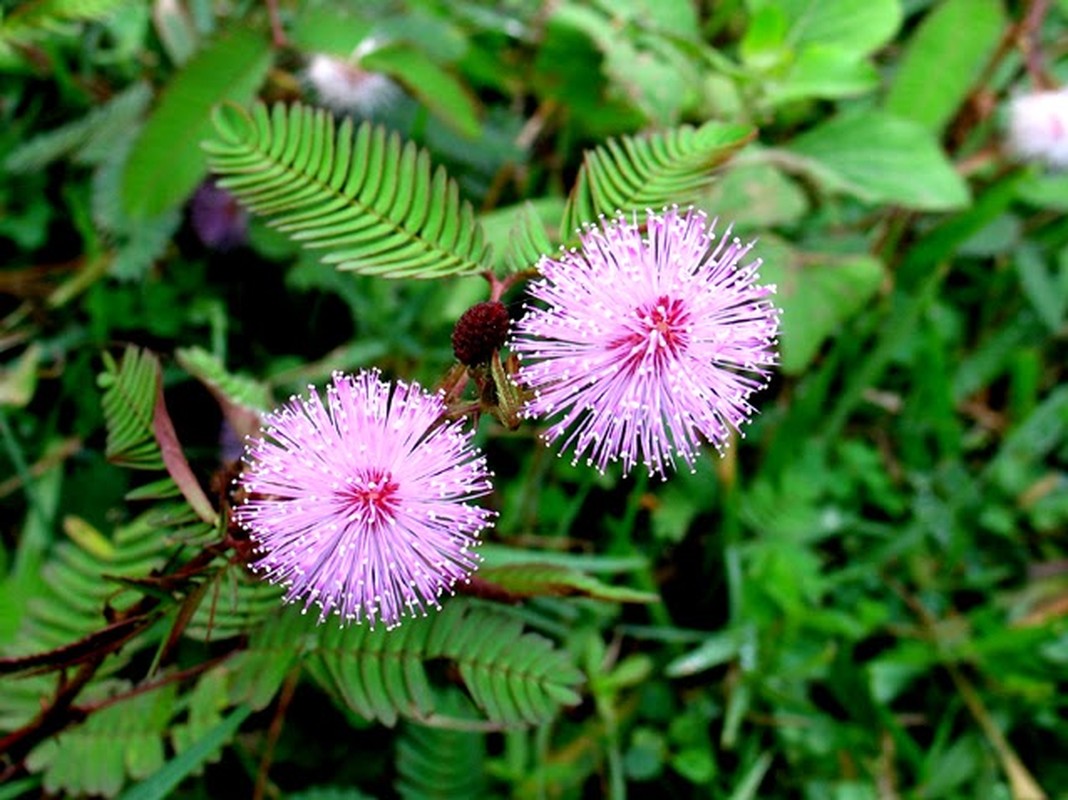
(137, 244)
(121, 741)
(204, 707)
(633, 173)
(437, 763)
(373, 203)
(46, 13)
(519, 235)
(36, 19)
(73, 594)
(527, 242)
(273, 650)
(331, 793)
(242, 399)
(87, 140)
(514, 677)
(129, 402)
(235, 604)
(144, 246)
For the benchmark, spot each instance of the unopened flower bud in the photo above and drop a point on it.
(480, 331)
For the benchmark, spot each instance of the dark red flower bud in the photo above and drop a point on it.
(481, 329)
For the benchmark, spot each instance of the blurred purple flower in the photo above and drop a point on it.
(360, 506)
(219, 220)
(647, 342)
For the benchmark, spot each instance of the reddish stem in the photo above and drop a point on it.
(278, 36)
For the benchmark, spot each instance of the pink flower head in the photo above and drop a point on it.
(361, 506)
(347, 88)
(647, 342)
(1038, 127)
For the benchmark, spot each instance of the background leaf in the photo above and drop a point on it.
(941, 66)
(817, 293)
(166, 163)
(882, 159)
(534, 579)
(429, 83)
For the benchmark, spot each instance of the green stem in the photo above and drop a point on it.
(14, 452)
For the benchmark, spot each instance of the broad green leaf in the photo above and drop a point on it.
(431, 84)
(436, 35)
(18, 380)
(764, 44)
(718, 648)
(807, 48)
(657, 79)
(943, 60)
(440, 763)
(1045, 285)
(673, 17)
(536, 580)
(1044, 191)
(567, 50)
(881, 158)
(825, 71)
(644, 69)
(328, 29)
(496, 555)
(863, 26)
(166, 162)
(755, 196)
(817, 294)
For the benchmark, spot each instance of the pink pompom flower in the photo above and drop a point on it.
(346, 88)
(1038, 127)
(644, 343)
(361, 505)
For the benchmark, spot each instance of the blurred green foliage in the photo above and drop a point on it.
(866, 599)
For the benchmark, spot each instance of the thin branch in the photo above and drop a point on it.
(274, 732)
(53, 719)
(151, 686)
(278, 35)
